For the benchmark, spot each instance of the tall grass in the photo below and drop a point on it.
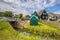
(8, 33)
(42, 29)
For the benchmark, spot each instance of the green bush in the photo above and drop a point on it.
(7, 14)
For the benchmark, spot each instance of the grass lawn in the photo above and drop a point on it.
(25, 37)
(8, 33)
(43, 29)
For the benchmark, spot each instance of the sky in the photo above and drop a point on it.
(27, 7)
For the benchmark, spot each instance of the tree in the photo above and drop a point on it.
(20, 15)
(0, 14)
(27, 16)
(7, 14)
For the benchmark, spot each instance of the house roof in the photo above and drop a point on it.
(35, 13)
(34, 17)
(42, 11)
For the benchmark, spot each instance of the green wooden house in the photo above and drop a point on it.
(34, 20)
(35, 13)
(35, 17)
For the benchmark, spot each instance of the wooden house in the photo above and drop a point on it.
(36, 16)
(43, 15)
(34, 20)
(35, 13)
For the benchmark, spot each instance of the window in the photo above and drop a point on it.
(44, 13)
(43, 17)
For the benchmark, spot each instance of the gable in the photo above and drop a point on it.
(35, 13)
(34, 18)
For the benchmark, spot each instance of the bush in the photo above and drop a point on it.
(7, 14)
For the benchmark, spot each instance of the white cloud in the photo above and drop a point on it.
(5, 7)
(9, 0)
(33, 4)
(49, 4)
(57, 12)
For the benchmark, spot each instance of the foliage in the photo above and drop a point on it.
(7, 14)
(20, 15)
(22, 18)
(27, 16)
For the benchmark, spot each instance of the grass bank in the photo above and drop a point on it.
(43, 29)
(8, 33)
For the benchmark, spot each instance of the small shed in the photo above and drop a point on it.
(34, 20)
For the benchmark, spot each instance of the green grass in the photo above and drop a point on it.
(42, 29)
(8, 33)
(24, 37)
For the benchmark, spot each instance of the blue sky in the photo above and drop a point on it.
(29, 6)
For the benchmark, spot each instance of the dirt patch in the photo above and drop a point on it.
(18, 24)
